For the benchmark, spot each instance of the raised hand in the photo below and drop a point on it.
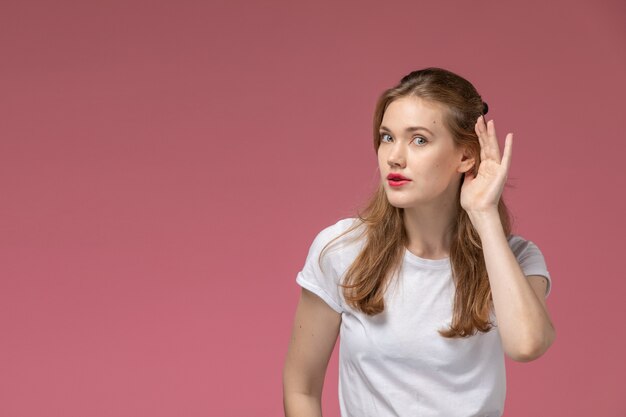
(482, 192)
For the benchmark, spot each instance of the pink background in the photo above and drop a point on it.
(166, 165)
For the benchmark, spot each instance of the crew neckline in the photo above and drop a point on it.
(432, 263)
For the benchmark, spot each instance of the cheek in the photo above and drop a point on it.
(381, 158)
(441, 172)
(446, 164)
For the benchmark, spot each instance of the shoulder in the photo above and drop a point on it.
(521, 246)
(342, 239)
(517, 242)
(531, 260)
(336, 229)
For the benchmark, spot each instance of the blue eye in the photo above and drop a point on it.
(419, 137)
(383, 135)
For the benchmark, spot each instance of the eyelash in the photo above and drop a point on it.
(382, 135)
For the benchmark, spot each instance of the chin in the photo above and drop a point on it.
(398, 203)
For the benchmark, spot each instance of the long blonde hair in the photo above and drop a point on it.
(367, 278)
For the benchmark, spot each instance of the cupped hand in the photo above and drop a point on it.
(482, 192)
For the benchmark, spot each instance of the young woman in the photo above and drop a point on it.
(428, 287)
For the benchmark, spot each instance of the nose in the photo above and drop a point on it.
(396, 156)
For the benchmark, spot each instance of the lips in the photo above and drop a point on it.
(397, 177)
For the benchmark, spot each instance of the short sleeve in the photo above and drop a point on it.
(322, 281)
(530, 259)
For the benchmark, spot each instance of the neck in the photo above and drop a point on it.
(429, 229)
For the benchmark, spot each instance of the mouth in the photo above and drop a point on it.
(397, 182)
(397, 177)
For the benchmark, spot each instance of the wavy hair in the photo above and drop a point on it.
(367, 278)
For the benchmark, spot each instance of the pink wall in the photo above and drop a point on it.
(166, 165)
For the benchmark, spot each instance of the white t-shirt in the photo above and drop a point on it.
(395, 363)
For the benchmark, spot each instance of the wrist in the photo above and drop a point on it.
(485, 219)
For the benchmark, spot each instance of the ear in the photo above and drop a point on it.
(467, 161)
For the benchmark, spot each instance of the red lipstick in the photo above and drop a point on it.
(397, 180)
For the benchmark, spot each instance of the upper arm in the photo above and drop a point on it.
(314, 334)
(539, 284)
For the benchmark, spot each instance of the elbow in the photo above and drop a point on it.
(525, 356)
(296, 383)
(533, 350)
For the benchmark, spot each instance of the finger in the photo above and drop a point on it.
(480, 131)
(483, 137)
(482, 125)
(493, 150)
(508, 151)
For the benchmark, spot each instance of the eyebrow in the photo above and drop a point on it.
(409, 129)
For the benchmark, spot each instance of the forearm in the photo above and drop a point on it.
(524, 325)
(301, 405)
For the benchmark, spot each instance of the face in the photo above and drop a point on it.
(415, 144)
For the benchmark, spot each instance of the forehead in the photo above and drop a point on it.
(412, 110)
